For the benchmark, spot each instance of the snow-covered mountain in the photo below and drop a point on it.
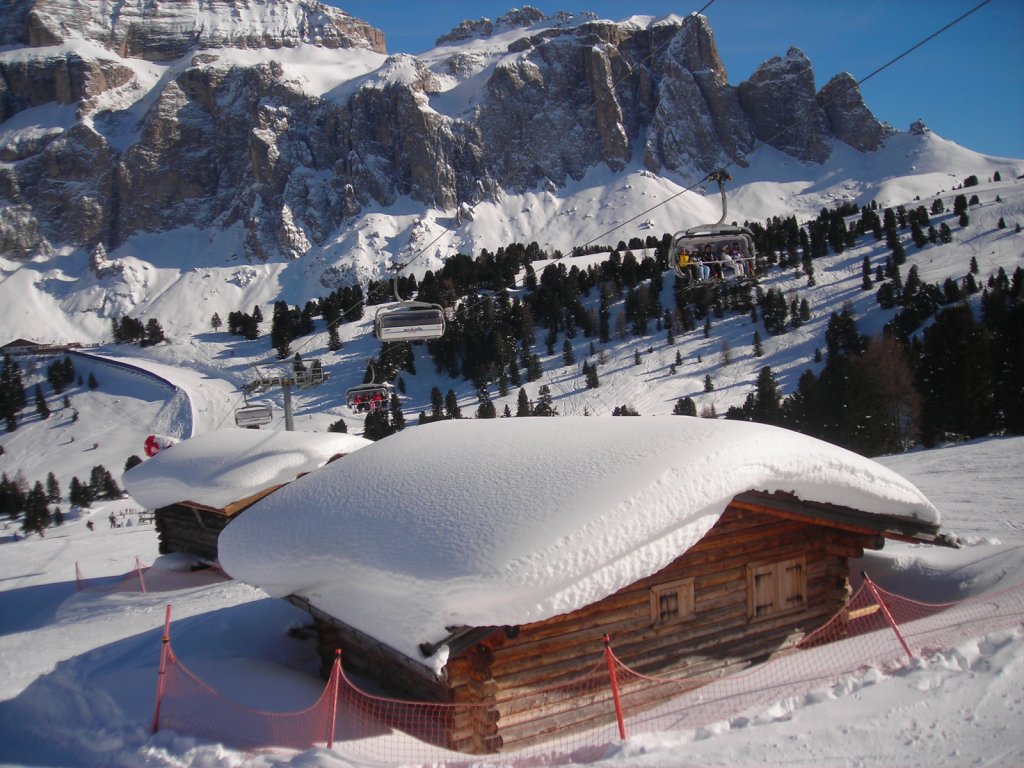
(163, 181)
(274, 131)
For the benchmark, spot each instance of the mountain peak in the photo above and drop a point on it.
(168, 30)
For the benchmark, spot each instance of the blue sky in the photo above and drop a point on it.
(967, 84)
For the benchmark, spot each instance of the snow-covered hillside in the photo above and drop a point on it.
(210, 368)
(78, 670)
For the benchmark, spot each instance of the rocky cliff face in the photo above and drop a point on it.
(197, 138)
(167, 30)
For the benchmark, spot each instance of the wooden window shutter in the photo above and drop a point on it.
(776, 587)
(672, 603)
(792, 583)
(763, 594)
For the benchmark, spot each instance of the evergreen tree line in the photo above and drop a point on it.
(59, 374)
(962, 378)
(33, 504)
(129, 330)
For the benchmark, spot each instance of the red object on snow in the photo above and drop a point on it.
(155, 443)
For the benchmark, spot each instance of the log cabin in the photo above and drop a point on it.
(197, 486)
(482, 562)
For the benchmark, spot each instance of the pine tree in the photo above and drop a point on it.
(41, 407)
(338, 426)
(709, 385)
(102, 484)
(954, 377)
(216, 322)
(436, 403)
(333, 338)
(485, 409)
(758, 347)
(93, 384)
(37, 512)
(545, 405)
(52, 489)
(397, 417)
(766, 407)
(685, 407)
(154, 333)
(523, 407)
(131, 461)
(12, 391)
(568, 355)
(376, 425)
(451, 406)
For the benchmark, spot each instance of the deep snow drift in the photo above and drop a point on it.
(510, 521)
(78, 671)
(226, 465)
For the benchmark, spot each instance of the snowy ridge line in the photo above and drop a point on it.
(853, 646)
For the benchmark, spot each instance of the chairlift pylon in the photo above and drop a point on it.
(702, 255)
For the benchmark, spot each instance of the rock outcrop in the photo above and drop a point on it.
(214, 144)
(168, 30)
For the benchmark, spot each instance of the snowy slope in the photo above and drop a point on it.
(77, 671)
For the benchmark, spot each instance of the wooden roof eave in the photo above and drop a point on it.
(845, 518)
(235, 506)
(425, 673)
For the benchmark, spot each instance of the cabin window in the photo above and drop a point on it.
(775, 588)
(672, 603)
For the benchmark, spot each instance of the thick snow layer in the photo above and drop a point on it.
(509, 521)
(217, 468)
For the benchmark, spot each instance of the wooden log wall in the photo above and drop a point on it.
(189, 530)
(511, 675)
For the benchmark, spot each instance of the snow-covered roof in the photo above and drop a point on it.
(510, 521)
(226, 465)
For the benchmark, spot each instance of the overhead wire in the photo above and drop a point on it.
(448, 230)
(783, 131)
(535, 153)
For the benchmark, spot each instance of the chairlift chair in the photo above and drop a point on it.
(410, 321)
(365, 398)
(719, 236)
(310, 376)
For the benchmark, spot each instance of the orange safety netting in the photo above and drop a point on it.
(877, 629)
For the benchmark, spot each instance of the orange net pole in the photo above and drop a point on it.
(165, 648)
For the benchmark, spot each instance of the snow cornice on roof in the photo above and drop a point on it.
(480, 523)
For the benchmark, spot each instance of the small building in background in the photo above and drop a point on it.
(196, 487)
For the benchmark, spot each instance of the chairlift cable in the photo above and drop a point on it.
(450, 230)
(534, 153)
(797, 123)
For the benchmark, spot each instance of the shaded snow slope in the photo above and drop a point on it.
(509, 521)
(223, 466)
